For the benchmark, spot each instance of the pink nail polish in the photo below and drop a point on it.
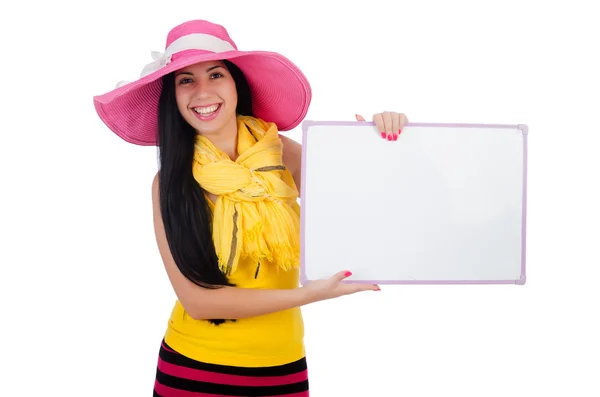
(383, 134)
(395, 137)
(348, 274)
(389, 137)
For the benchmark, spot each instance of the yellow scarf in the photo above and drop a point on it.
(253, 215)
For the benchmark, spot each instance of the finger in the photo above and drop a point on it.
(359, 117)
(339, 276)
(354, 288)
(387, 122)
(378, 119)
(395, 125)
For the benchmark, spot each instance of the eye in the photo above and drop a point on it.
(216, 75)
(185, 80)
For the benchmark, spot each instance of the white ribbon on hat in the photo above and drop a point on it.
(194, 41)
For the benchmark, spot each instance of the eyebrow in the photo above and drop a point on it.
(207, 70)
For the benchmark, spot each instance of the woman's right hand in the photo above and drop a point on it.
(333, 287)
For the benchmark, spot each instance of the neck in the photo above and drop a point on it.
(226, 139)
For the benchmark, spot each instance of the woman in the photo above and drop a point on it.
(225, 210)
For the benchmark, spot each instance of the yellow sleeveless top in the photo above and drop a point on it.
(266, 340)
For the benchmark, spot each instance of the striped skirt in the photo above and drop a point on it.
(180, 376)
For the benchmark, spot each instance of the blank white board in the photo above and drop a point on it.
(445, 203)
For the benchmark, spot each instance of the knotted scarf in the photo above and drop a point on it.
(253, 216)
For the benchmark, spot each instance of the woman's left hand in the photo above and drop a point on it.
(389, 124)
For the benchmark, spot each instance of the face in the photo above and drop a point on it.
(206, 97)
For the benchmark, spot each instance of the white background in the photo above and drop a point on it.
(85, 297)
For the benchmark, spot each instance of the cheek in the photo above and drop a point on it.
(181, 101)
(232, 95)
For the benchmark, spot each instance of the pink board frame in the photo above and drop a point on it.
(522, 127)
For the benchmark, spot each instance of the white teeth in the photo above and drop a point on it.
(206, 110)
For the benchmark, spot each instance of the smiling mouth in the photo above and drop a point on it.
(207, 110)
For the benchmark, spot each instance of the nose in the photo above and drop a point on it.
(202, 90)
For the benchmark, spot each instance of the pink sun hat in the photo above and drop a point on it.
(280, 92)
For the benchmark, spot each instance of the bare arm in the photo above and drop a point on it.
(225, 302)
(202, 303)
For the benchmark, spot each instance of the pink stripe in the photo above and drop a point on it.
(226, 379)
(167, 391)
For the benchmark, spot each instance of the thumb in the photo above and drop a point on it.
(342, 275)
(359, 117)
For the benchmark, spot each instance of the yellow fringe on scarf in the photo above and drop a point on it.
(253, 215)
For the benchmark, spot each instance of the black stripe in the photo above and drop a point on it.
(279, 370)
(257, 269)
(271, 168)
(229, 390)
(233, 243)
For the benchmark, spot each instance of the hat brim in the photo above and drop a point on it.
(280, 94)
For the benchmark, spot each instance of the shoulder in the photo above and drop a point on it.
(155, 182)
(292, 153)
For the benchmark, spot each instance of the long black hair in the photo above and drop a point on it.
(183, 206)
